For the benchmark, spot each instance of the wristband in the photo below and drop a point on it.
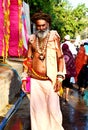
(60, 79)
(24, 80)
(24, 75)
(61, 74)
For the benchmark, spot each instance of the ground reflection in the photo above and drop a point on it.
(75, 114)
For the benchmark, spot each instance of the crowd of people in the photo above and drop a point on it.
(51, 65)
(76, 62)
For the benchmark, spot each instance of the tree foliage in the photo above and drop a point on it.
(70, 21)
(65, 18)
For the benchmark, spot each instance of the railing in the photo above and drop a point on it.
(12, 111)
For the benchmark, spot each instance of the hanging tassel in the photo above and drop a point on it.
(20, 44)
(6, 10)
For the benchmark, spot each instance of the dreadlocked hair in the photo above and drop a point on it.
(41, 15)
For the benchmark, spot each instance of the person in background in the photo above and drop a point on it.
(45, 66)
(82, 79)
(72, 48)
(80, 60)
(70, 70)
(77, 48)
(82, 76)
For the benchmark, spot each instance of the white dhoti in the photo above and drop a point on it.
(44, 106)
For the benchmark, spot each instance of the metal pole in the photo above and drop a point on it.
(12, 111)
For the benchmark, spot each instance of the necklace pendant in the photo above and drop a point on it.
(41, 57)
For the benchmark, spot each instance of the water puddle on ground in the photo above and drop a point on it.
(75, 114)
(20, 120)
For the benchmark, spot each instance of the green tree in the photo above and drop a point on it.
(68, 20)
(80, 18)
(40, 5)
(65, 18)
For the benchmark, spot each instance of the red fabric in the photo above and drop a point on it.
(17, 125)
(80, 60)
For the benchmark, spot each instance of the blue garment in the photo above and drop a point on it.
(85, 97)
(86, 48)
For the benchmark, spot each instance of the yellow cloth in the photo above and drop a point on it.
(60, 92)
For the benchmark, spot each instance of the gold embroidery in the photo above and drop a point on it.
(39, 76)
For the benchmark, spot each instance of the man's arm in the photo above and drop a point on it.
(27, 65)
(60, 58)
(60, 65)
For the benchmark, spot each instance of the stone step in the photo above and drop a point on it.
(10, 82)
(16, 63)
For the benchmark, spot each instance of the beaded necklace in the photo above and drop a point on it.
(41, 47)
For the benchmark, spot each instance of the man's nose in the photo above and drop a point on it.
(41, 27)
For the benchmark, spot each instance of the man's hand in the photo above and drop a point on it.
(58, 85)
(24, 86)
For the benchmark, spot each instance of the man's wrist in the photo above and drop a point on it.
(60, 75)
(24, 76)
(60, 79)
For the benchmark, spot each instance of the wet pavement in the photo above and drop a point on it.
(75, 114)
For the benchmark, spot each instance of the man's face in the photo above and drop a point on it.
(42, 28)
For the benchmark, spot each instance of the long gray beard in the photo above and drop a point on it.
(42, 34)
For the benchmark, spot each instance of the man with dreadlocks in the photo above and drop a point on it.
(45, 65)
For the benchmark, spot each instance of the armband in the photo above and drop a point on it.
(24, 76)
(60, 57)
(24, 80)
(30, 57)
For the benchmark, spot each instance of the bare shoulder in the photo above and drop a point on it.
(32, 38)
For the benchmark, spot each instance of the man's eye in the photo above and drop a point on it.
(40, 25)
